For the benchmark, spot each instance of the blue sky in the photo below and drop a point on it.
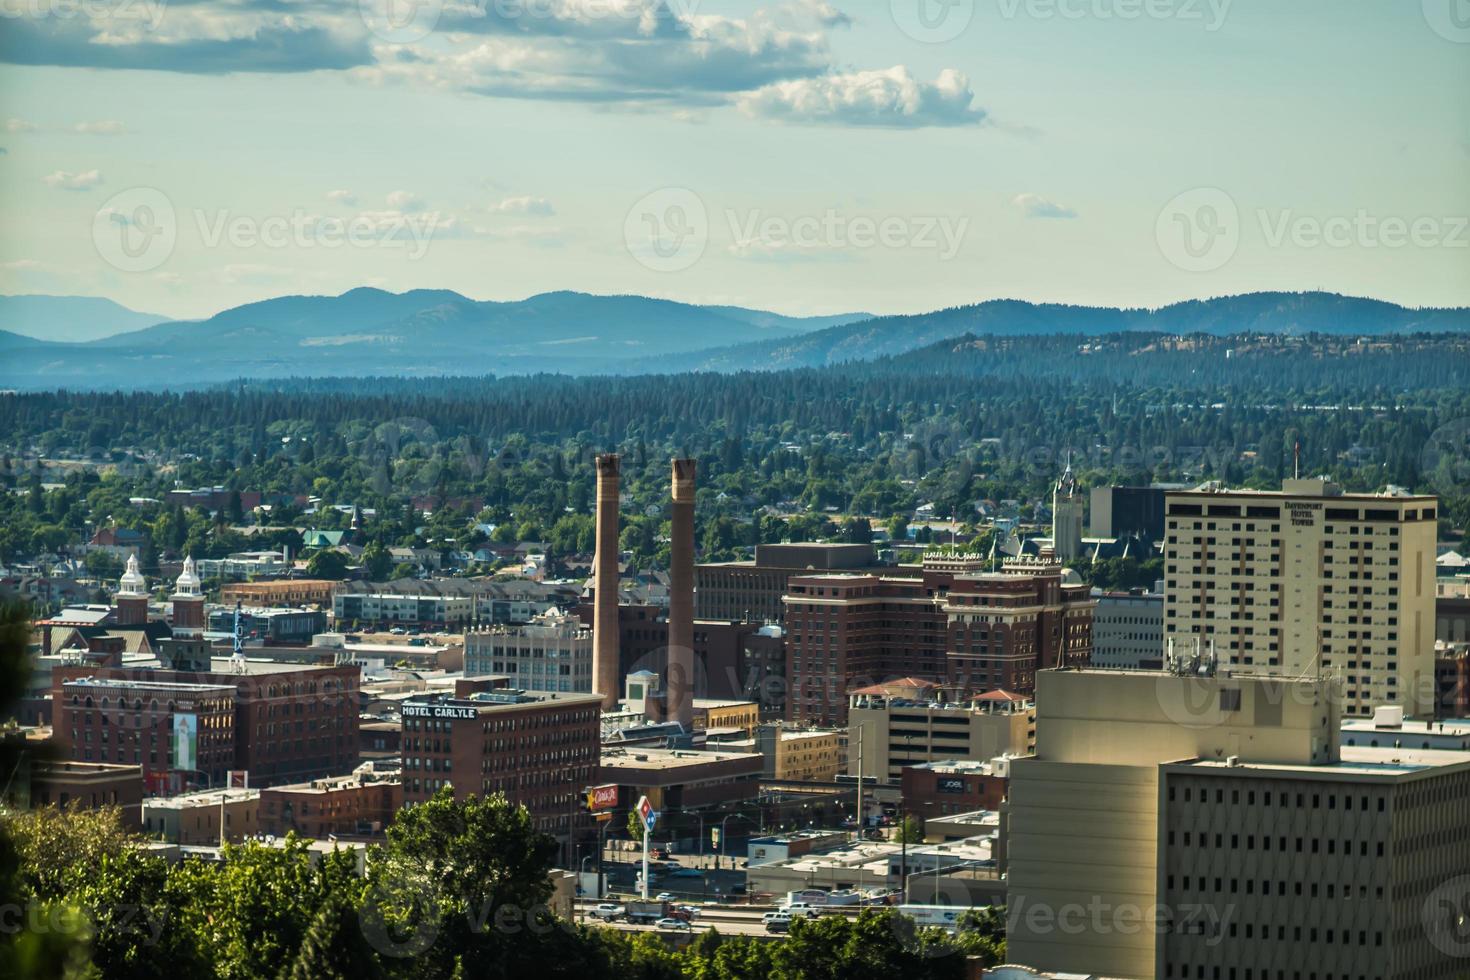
(804, 156)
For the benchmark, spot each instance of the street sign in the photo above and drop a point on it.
(647, 813)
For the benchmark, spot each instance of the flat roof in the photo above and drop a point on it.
(1450, 727)
(1305, 495)
(133, 685)
(208, 797)
(259, 665)
(664, 759)
(1356, 760)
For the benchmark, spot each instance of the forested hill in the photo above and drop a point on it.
(1285, 314)
(1245, 362)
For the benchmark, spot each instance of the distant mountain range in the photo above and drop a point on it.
(423, 333)
(1268, 313)
(70, 319)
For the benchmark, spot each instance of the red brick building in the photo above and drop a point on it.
(1005, 626)
(942, 789)
(540, 750)
(850, 631)
(953, 624)
(360, 804)
(281, 722)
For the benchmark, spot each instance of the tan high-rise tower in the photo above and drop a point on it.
(606, 677)
(679, 675)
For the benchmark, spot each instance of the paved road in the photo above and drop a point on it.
(729, 922)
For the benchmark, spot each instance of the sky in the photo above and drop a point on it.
(806, 156)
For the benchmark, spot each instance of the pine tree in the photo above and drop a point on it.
(334, 947)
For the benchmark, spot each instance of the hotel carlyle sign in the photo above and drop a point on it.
(437, 711)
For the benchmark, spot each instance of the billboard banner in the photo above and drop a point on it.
(186, 742)
(602, 798)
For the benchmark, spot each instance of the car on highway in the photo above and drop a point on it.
(777, 921)
(664, 897)
(608, 911)
(690, 910)
(673, 923)
(801, 909)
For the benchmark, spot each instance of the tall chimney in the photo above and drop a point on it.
(605, 673)
(679, 676)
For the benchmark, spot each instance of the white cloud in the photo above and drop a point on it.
(19, 126)
(67, 181)
(342, 197)
(246, 273)
(22, 265)
(890, 97)
(405, 201)
(101, 127)
(525, 205)
(1037, 206)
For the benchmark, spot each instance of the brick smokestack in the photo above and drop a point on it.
(679, 676)
(606, 677)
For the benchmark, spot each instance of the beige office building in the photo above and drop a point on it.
(1213, 826)
(892, 732)
(1307, 579)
